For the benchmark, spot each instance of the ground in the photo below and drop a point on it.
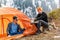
(49, 36)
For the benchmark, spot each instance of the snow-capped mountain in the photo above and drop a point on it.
(29, 6)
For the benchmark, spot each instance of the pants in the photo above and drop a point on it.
(43, 24)
(16, 33)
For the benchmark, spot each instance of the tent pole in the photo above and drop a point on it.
(2, 24)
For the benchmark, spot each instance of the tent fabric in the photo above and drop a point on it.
(6, 15)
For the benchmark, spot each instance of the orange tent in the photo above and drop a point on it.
(6, 15)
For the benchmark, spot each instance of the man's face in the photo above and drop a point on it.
(15, 20)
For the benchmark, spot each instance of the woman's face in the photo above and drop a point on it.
(39, 11)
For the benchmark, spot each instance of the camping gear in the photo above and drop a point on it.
(6, 15)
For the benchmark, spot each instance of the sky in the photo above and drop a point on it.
(9, 2)
(57, 2)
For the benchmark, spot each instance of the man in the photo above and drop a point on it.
(42, 20)
(13, 28)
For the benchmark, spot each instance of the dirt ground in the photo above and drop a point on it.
(51, 35)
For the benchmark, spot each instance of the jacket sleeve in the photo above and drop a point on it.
(19, 28)
(8, 28)
(39, 18)
(43, 16)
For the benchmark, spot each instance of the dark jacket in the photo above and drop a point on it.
(42, 16)
(9, 28)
